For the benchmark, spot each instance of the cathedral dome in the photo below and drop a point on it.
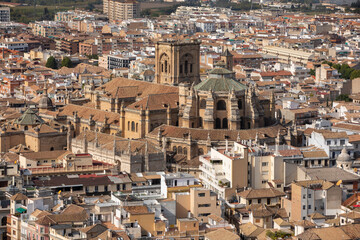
(343, 156)
(220, 80)
(45, 102)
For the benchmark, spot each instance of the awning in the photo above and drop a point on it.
(21, 210)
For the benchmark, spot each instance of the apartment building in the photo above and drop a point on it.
(14, 44)
(287, 55)
(4, 14)
(121, 9)
(224, 170)
(198, 202)
(47, 28)
(116, 61)
(314, 196)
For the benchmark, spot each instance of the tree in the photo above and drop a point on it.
(145, 12)
(343, 97)
(312, 72)
(51, 63)
(90, 7)
(66, 62)
(355, 74)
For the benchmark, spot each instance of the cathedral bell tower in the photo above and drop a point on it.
(177, 62)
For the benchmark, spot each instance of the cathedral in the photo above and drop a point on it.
(177, 97)
(220, 101)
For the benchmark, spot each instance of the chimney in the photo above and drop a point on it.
(110, 234)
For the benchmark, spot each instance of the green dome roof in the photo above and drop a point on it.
(220, 71)
(29, 117)
(219, 85)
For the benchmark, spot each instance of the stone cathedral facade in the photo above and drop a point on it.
(220, 101)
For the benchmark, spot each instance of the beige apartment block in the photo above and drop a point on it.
(121, 9)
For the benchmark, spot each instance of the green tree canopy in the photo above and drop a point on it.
(343, 97)
(66, 62)
(51, 63)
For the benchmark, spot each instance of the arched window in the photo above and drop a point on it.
(203, 104)
(191, 68)
(166, 66)
(225, 123)
(162, 67)
(133, 126)
(240, 104)
(181, 68)
(185, 151)
(3, 221)
(186, 66)
(200, 122)
(128, 125)
(221, 105)
(201, 151)
(26, 128)
(137, 125)
(179, 150)
(217, 123)
(174, 149)
(52, 149)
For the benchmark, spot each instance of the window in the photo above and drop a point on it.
(225, 123)
(42, 230)
(203, 215)
(191, 66)
(217, 123)
(264, 164)
(204, 205)
(328, 143)
(185, 151)
(309, 195)
(221, 105)
(201, 151)
(201, 194)
(133, 126)
(96, 188)
(181, 68)
(105, 188)
(304, 207)
(309, 207)
(203, 104)
(117, 187)
(342, 142)
(304, 196)
(264, 181)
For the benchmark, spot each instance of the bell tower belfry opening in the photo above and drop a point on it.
(177, 62)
